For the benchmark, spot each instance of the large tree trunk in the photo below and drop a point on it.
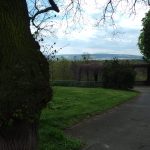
(21, 136)
(24, 78)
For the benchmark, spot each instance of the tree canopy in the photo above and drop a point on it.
(144, 38)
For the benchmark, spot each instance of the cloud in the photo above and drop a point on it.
(81, 35)
(100, 42)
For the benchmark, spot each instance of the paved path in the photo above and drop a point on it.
(124, 128)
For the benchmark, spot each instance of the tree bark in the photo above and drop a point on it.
(21, 136)
(24, 78)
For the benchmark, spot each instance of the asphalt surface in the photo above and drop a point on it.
(123, 128)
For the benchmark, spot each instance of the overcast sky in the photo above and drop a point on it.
(88, 38)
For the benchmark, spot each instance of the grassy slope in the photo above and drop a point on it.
(70, 105)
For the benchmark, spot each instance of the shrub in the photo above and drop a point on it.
(118, 75)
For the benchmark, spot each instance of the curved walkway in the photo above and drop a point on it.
(124, 128)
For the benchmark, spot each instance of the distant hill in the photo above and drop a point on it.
(99, 56)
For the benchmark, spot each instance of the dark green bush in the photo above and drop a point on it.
(118, 75)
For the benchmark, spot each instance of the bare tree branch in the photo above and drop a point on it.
(73, 11)
(53, 7)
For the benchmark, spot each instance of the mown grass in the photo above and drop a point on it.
(70, 105)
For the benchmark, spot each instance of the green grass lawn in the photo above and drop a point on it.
(69, 106)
